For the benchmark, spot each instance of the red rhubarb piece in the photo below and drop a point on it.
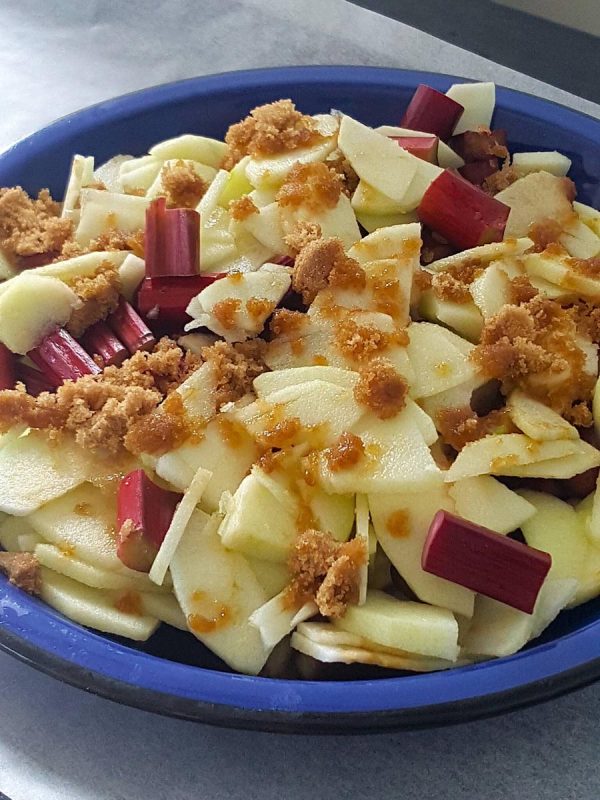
(144, 513)
(164, 300)
(61, 358)
(100, 341)
(423, 147)
(35, 381)
(7, 368)
(462, 213)
(484, 561)
(283, 261)
(130, 328)
(171, 240)
(477, 171)
(432, 112)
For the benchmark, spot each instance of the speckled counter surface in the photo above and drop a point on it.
(58, 743)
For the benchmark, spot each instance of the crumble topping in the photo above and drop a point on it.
(236, 367)
(362, 342)
(287, 323)
(448, 287)
(544, 233)
(22, 570)
(345, 453)
(31, 227)
(182, 185)
(521, 290)
(302, 234)
(269, 129)
(338, 162)
(502, 179)
(325, 571)
(225, 310)
(313, 186)
(99, 294)
(242, 208)
(459, 426)
(322, 262)
(112, 240)
(381, 388)
(259, 307)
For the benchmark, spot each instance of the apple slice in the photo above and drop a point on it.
(432, 112)
(533, 199)
(17, 535)
(478, 101)
(217, 592)
(270, 382)
(487, 502)
(191, 147)
(537, 420)
(596, 407)
(80, 175)
(413, 627)
(491, 290)
(237, 185)
(93, 608)
(79, 266)
(401, 523)
(460, 212)
(541, 161)
(484, 255)
(276, 619)
(367, 200)
(463, 318)
(446, 157)
(588, 215)
(579, 240)
(271, 171)
(556, 269)
(273, 576)
(499, 630)
(103, 211)
(439, 365)
(136, 175)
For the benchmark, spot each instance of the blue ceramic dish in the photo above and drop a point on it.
(566, 657)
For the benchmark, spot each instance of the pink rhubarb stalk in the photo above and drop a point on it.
(171, 241)
(432, 112)
(164, 300)
(61, 358)
(7, 368)
(100, 341)
(130, 328)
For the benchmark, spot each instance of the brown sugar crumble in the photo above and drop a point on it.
(111, 241)
(225, 312)
(287, 323)
(99, 294)
(242, 208)
(182, 185)
(324, 262)
(259, 307)
(501, 179)
(521, 290)
(312, 186)
(31, 228)
(269, 129)
(302, 234)
(338, 162)
(459, 426)
(447, 287)
(345, 453)
(325, 571)
(545, 233)
(381, 388)
(362, 342)
(236, 366)
(22, 570)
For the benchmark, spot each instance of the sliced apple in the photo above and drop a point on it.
(338, 221)
(537, 420)
(103, 211)
(276, 619)
(478, 101)
(541, 161)
(191, 147)
(491, 290)
(446, 157)
(556, 269)
(80, 266)
(487, 502)
(579, 240)
(218, 591)
(588, 215)
(403, 625)
(533, 199)
(138, 174)
(272, 170)
(372, 222)
(438, 364)
(463, 318)
(270, 382)
(81, 174)
(367, 200)
(265, 225)
(483, 254)
(93, 608)
(17, 535)
(401, 523)
(273, 576)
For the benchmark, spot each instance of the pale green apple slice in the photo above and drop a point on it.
(34, 472)
(424, 177)
(60, 560)
(218, 591)
(273, 576)
(138, 174)
(218, 245)
(276, 619)
(13, 530)
(580, 240)
(23, 323)
(401, 521)
(593, 526)
(339, 221)
(588, 215)
(558, 529)
(537, 420)
(93, 608)
(367, 200)
(206, 173)
(209, 202)
(7, 270)
(82, 523)
(483, 254)
(502, 454)
(81, 174)
(197, 392)
(404, 625)
(397, 242)
(596, 407)
(499, 630)
(259, 522)
(103, 211)
(80, 266)
(439, 365)
(556, 270)
(270, 382)
(266, 226)
(131, 273)
(163, 606)
(478, 101)
(532, 199)
(176, 529)
(372, 222)
(541, 161)
(376, 159)
(273, 170)
(485, 501)
(582, 458)
(333, 513)
(457, 397)
(237, 184)
(191, 147)
(108, 172)
(265, 286)
(463, 318)
(491, 290)
(362, 534)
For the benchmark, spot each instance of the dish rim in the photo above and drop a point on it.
(265, 703)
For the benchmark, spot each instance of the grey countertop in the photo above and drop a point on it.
(58, 742)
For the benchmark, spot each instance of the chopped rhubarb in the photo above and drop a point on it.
(144, 513)
(477, 171)
(423, 147)
(432, 112)
(7, 368)
(485, 561)
(164, 300)
(462, 213)
(61, 358)
(284, 261)
(100, 341)
(171, 241)
(130, 328)
(35, 381)
(479, 145)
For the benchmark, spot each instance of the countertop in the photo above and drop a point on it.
(57, 742)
